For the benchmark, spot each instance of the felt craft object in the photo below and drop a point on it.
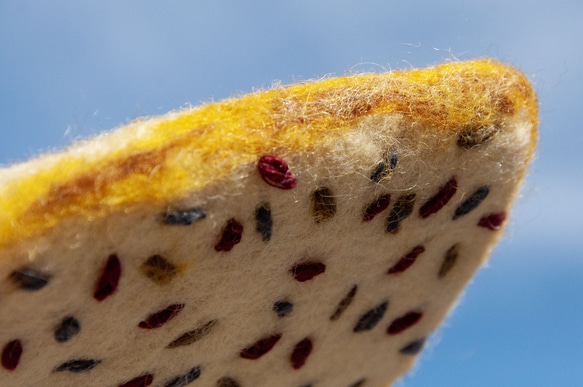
(312, 235)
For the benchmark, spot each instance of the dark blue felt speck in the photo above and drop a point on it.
(413, 348)
(282, 308)
(371, 318)
(183, 217)
(77, 366)
(29, 279)
(68, 328)
(185, 379)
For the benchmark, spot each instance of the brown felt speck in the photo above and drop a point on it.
(344, 303)
(193, 336)
(226, 381)
(473, 135)
(359, 383)
(449, 261)
(324, 204)
(159, 269)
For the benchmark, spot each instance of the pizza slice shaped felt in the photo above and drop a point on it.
(313, 235)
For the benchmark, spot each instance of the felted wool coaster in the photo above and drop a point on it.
(313, 235)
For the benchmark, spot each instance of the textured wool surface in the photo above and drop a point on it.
(313, 235)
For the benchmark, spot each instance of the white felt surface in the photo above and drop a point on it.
(238, 288)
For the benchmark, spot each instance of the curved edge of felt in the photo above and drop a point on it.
(165, 158)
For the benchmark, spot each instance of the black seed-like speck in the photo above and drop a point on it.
(183, 217)
(27, 278)
(371, 318)
(68, 328)
(185, 379)
(472, 202)
(413, 348)
(385, 167)
(264, 221)
(77, 366)
(282, 308)
(402, 209)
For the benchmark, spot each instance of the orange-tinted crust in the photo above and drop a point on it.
(220, 136)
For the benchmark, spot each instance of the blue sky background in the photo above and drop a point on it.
(71, 69)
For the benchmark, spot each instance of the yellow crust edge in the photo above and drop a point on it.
(181, 152)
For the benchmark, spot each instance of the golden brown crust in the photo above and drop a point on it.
(187, 150)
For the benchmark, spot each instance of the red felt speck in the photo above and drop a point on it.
(275, 172)
(260, 348)
(440, 199)
(376, 207)
(11, 355)
(306, 271)
(232, 234)
(493, 221)
(109, 279)
(405, 262)
(404, 322)
(140, 381)
(300, 353)
(160, 318)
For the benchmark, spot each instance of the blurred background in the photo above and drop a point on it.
(72, 69)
